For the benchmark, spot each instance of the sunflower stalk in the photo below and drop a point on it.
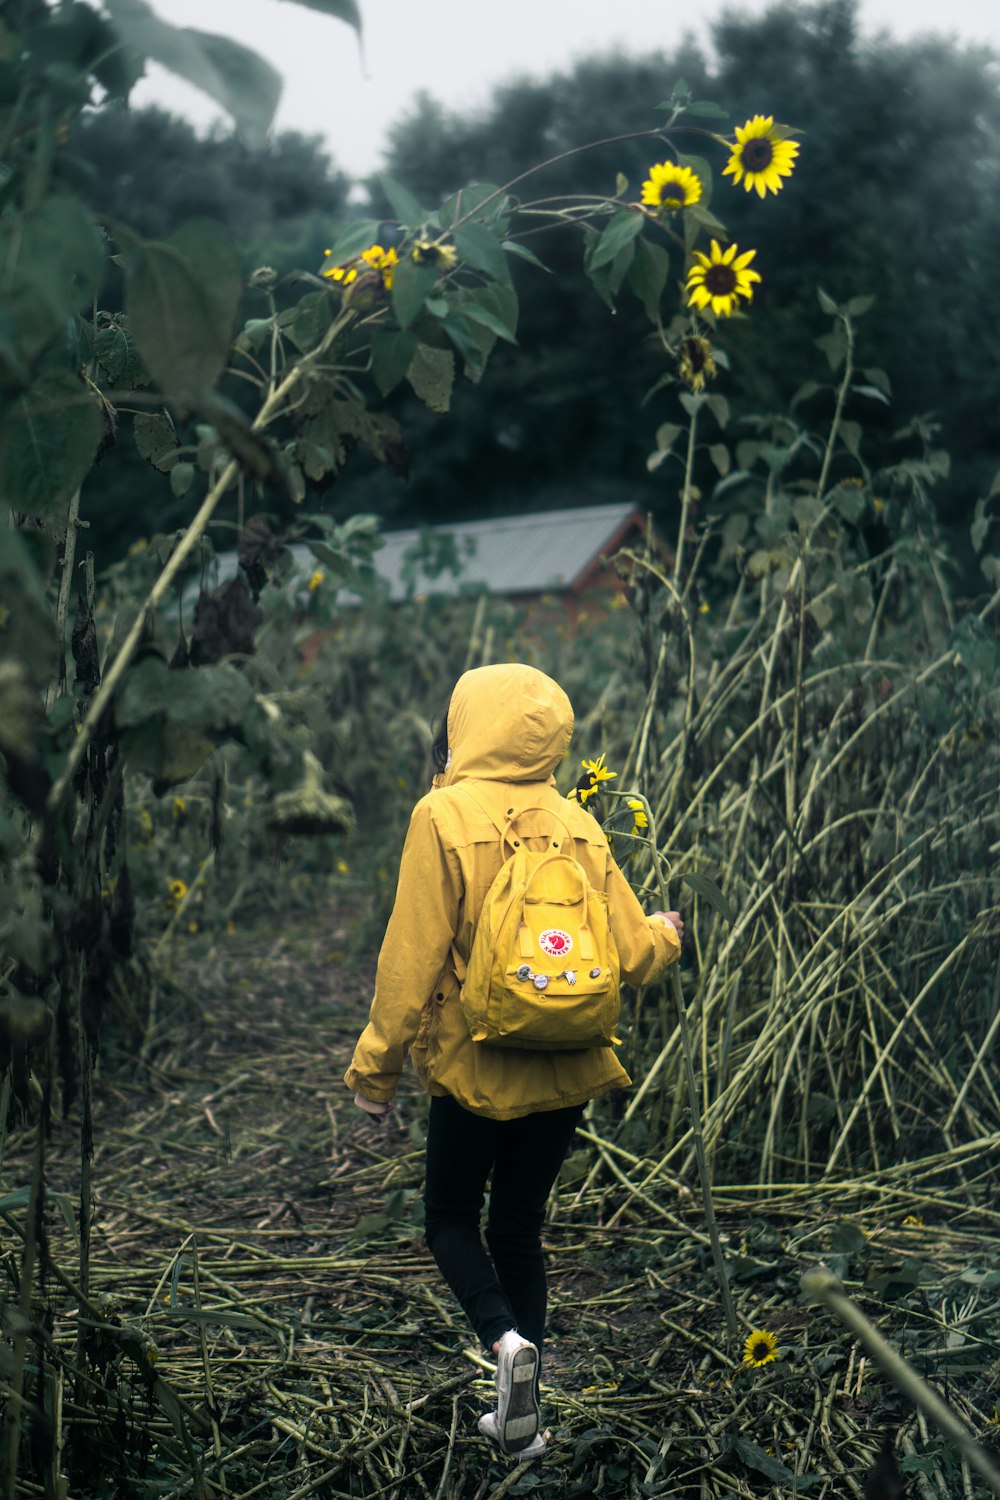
(687, 1051)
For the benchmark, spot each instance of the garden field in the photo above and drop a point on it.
(775, 1260)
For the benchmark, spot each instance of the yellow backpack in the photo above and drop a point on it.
(543, 972)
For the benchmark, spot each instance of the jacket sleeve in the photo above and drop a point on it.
(647, 946)
(414, 952)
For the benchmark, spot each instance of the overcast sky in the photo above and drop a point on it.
(459, 49)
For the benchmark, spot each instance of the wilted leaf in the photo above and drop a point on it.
(432, 375)
(156, 439)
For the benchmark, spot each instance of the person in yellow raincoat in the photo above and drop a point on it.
(499, 1110)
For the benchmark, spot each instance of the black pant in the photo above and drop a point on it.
(505, 1289)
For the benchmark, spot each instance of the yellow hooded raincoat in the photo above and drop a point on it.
(509, 726)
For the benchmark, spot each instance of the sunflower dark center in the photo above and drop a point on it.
(760, 1350)
(720, 281)
(695, 355)
(758, 154)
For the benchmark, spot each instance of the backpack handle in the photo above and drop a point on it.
(503, 829)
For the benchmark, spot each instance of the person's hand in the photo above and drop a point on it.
(674, 918)
(370, 1107)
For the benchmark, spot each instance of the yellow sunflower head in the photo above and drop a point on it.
(639, 818)
(594, 772)
(670, 187)
(375, 256)
(696, 364)
(431, 253)
(718, 280)
(178, 889)
(760, 1348)
(761, 156)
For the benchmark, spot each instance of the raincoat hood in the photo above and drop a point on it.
(507, 722)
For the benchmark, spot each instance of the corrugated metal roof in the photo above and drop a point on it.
(537, 554)
(544, 553)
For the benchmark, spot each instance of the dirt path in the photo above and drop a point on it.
(257, 1242)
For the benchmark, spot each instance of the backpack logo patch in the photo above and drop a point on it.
(555, 942)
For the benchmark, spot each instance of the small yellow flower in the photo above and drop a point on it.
(994, 1421)
(719, 279)
(432, 253)
(178, 890)
(179, 807)
(230, 927)
(192, 927)
(913, 1221)
(671, 187)
(696, 364)
(146, 820)
(375, 256)
(878, 506)
(760, 1348)
(343, 868)
(595, 771)
(316, 580)
(138, 547)
(703, 608)
(761, 157)
(639, 818)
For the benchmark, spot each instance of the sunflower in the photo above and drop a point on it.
(639, 818)
(375, 256)
(671, 187)
(178, 890)
(696, 364)
(431, 253)
(761, 156)
(719, 279)
(760, 1348)
(595, 771)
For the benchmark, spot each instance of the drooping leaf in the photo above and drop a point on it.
(703, 885)
(621, 230)
(242, 81)
(392, 353)
(48, 440)
(647, 275)
(495, 307)
(411, 285)
(478, 246)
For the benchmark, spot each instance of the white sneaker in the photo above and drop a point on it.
(517, 1404)
(489, 1429)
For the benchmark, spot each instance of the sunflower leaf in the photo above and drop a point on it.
(703, 885)
(719, 454)
(873, 392)
(827, 303)
(706, 110)
(850, 436)
(858, 306)
(402, 202)
(701, 169)
(525, 254)
(647, 276)
(878, 377)
(351, 241)
(621, 230)
(805, 391)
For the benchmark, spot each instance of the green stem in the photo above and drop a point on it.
(839, 408)
(686, 495)
(711, 1224)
